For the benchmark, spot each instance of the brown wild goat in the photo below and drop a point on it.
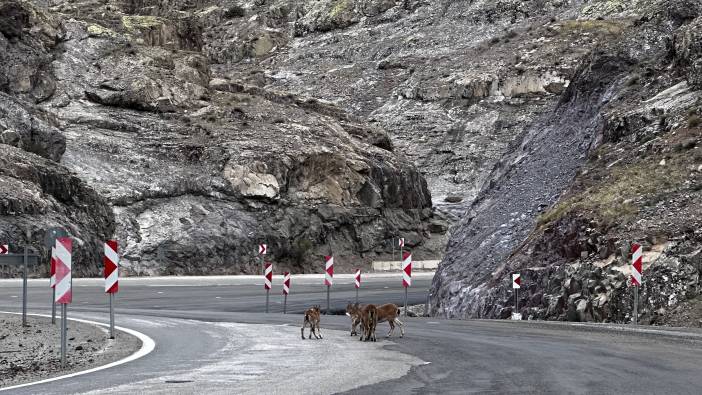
(354, 312)
(387, 312)
(312, 316)
(369, 320)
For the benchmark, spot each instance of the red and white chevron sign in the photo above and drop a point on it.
(262, 249)
(328, 270)
(407, 269)
(111, 272)
(636, 264)
(52, 269)
(516, 280)
(64, 291)
(357, 278)
(4, 249)
(286, 283)
(401, 241)
(268, 276)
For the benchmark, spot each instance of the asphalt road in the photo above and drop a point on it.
(223, 293)
(202, 346)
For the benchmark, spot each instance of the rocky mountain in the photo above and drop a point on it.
(147, 140)
(549, 134)
(614, 161)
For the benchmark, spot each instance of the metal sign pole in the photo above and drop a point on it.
(636, 305)
(24, 288)
(356, 295)
(405, 301)
(285, 304)
(64, 311)
(268, 291)
(516, 300)
(393, 248)
(328, 288)
(53, 305)
(112, 316)
(401, 248)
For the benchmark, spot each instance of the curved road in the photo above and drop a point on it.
(209, 339)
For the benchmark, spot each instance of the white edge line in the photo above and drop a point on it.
(147, 346)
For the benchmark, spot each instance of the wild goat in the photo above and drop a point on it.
(354, 312)
(369, 320)
(312, 319)
(387, 312)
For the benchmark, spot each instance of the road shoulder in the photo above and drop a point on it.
(32, 353)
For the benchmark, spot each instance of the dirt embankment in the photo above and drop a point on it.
(34, 352)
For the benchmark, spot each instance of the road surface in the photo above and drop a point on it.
(204, 346)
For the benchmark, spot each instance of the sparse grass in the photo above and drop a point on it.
(339, 7)
(611, 27)
(100, 31)
(613, 199)
(132, 23)
(694, 121)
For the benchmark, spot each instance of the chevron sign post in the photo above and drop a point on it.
(636, 274)
(286, 290)
(516, 284)
(262, 251)
(64, 291)
(52, 283)
(406, 274)
(401, 243)
(357, 282)
(111, 271)
(111, 274)
(267, 280)
(52, 270)
(63, 288)
(328, 275)
(4, 249)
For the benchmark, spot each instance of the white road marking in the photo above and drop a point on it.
(432, 322)
(218, 297)
(147, 345)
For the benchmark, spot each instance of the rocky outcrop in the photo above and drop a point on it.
(625, 170)
(37, 193)
(199, 165)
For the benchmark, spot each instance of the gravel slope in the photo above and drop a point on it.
(33, 352)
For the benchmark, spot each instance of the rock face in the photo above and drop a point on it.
(187, 166)
(616, 161)
(551, 134)
(36, 192)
